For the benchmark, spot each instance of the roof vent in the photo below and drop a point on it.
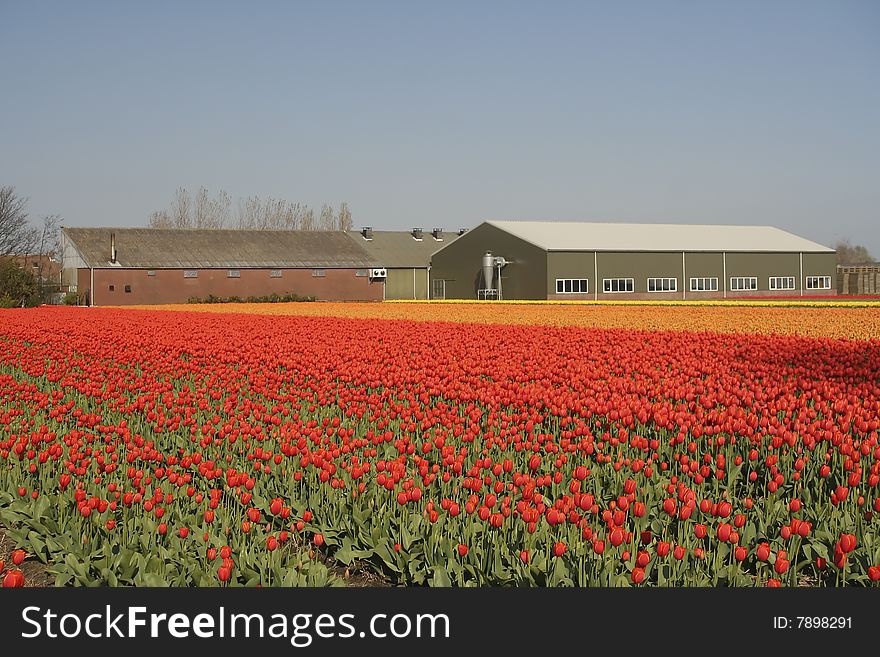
(462, 231)
(437, 233)
(367, 232)
(113, 248)
(417, 233)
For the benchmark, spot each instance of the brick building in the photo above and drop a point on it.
(128, 266)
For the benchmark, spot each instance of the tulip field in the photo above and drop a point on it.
(147, 447)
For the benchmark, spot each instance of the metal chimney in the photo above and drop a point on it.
(437, 233)
(367, 232)
(113, 248)
(417, 233)
(488, 268)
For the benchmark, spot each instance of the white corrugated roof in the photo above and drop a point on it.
(591, 236)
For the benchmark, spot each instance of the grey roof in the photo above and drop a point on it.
(397, 248)
(590, 236)
(188, 248)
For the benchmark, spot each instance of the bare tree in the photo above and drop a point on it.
(201, 209)
(180, 209)
(49, 247)
(328, 218)
(220, 207)
(17, 236)
(308, 219)
(252, 213)
(249, 210)
(160, 219)
(344, 217)
(849, 254)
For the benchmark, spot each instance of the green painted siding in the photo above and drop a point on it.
(639, 267)
(574, 265)
(459, 265)
(762, 266)
(406, 284)
(820, 264)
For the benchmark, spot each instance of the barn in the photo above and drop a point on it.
(582, 260)
(406, 255)
(127, 266)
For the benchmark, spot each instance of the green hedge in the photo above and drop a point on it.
(268, 298)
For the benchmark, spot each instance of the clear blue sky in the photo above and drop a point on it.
(448, 113)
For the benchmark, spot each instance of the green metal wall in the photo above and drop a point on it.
(821, 264)
(459, 264)
(763, 266)
(406, 284)
(639, 267)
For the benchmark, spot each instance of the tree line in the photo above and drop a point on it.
(200, 210)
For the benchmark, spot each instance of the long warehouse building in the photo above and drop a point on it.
(581, 260)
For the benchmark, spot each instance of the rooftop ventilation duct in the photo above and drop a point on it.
(113, 248)
(437, 233)
(367, 232)
(417, 233)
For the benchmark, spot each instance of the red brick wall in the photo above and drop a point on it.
(170, 286)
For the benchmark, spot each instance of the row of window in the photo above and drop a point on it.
(709, 284)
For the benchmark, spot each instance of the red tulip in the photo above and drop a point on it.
(462, 550)
(14, 579)
(524, 556)
(18, 557)
(874, 573)
(318, 540)
(638, 575)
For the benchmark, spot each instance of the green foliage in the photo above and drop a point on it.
(73, 299)
(18, 287)
(267, 298)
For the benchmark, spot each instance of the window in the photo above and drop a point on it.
(35, 265)
(361, 272)
(782, 282)
(572, 285)
(233, 273)
(112, 288)
(662, 284)
(741, 283)
(128, 289)
(704, 285)
(191, 273)
(818, 282)
(617, 285)
(275, 273)
(151, 272)
(319, 273)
